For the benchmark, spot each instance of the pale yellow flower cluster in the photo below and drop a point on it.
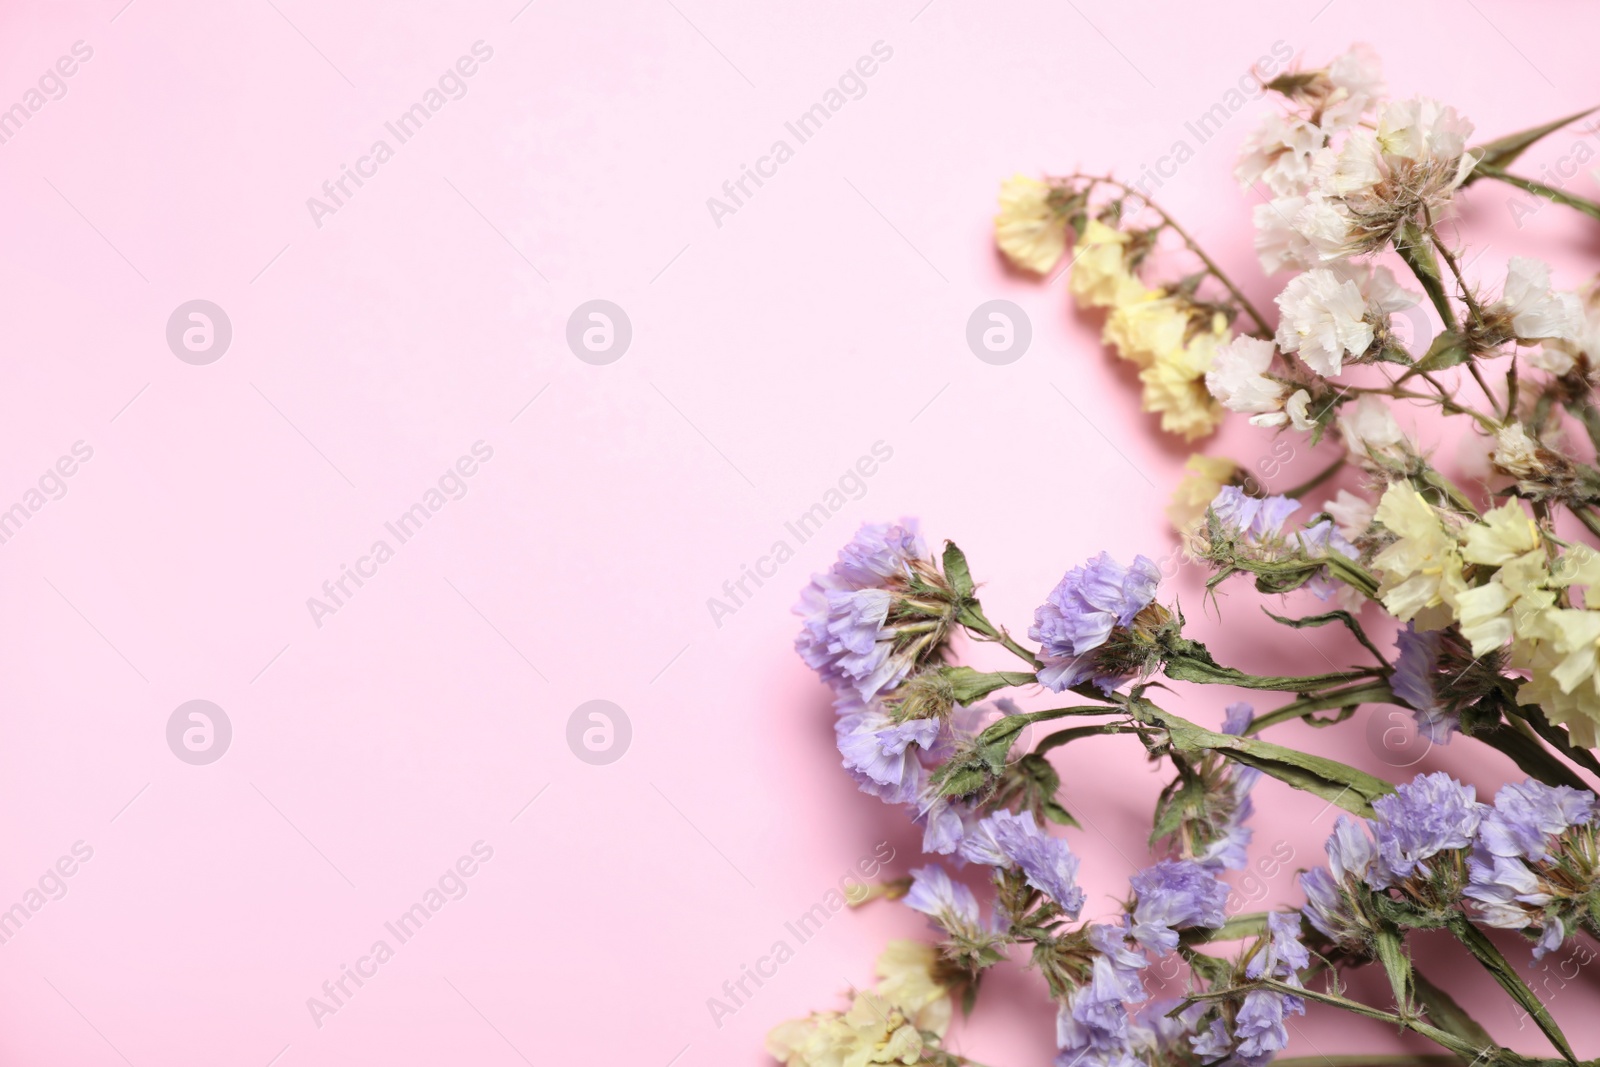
(1153, 330)
(1525, 599)
(1029, 230)
(890, 1024)
(1157, 331)
(1203, 479)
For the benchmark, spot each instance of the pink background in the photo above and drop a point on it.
(425, 315)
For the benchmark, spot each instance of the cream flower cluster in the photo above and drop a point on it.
(1346, 168)
(1502, 582)
(884, 1025)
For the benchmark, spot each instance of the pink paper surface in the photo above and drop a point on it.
(389, 339)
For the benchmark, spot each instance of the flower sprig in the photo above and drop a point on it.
(1486, 588)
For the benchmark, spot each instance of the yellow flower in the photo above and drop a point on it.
(872, 1031)
(1030, 232)
(1422, 569)
(1145, 329)
(1100, 276)
(1203, 479)
(1562, 660)
(906, 973)
(1175, 385)
(880, 1027)
(1505, 533)
(1492, 613)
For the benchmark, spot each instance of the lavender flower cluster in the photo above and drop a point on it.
(877, 628)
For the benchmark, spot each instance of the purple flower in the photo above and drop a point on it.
(1252, 518)
(1258, 522)
(843, 637)
(1094, 1025)
(1259, 1025)
(1167, 1033)
(1094, 1015)
(1048, 862)
(1212, 1043)
(1351, 856)
(1509, 895)
(1527, 815)
(1550, 940)
(1171, 896)
(979, 844)
(878, 751)
(1324, 539)
(1350, 851)
(1080, 613)
(1125, 962)
(1431, 814)
(1228, 850)
(944, 826)
(1325, 908)
(1283, 957)
(949, 903)
(1415, 669)
(1236, 718)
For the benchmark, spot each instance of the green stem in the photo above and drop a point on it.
(1211, 266)
(1366, 693)
(1577, 203)
(1586, 515)
(1316, 479)
(972, 617)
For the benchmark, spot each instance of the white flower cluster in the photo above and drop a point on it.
(1350, 174)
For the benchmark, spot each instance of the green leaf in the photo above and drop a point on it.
(1344, 699)
(1073, 733)
(1446, 1014)
(1196, 665)
(1502, 972)
(956, 571)
(1351, 789)
(1503, 151)
(1549, 192)
(1447, 349)
(1534, 759)
(1345, 617)
(968, 685)
(1534, 716)
(1250, 924)
(1007, 728)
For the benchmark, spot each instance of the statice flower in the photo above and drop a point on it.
(1080, 614)
(846, 637)
(880, 754)
(1175, 895)
(1332, 891)
(1283, 957)
(1325, 320)
(1256, 523)
(1524, 874)
(1433, 813)
(1528, 815)
(947, 902)
(1254, 519)
(1048, 862)
(1259, 1025)
(1223, 834)
(1415, 669)
(1530, 310)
